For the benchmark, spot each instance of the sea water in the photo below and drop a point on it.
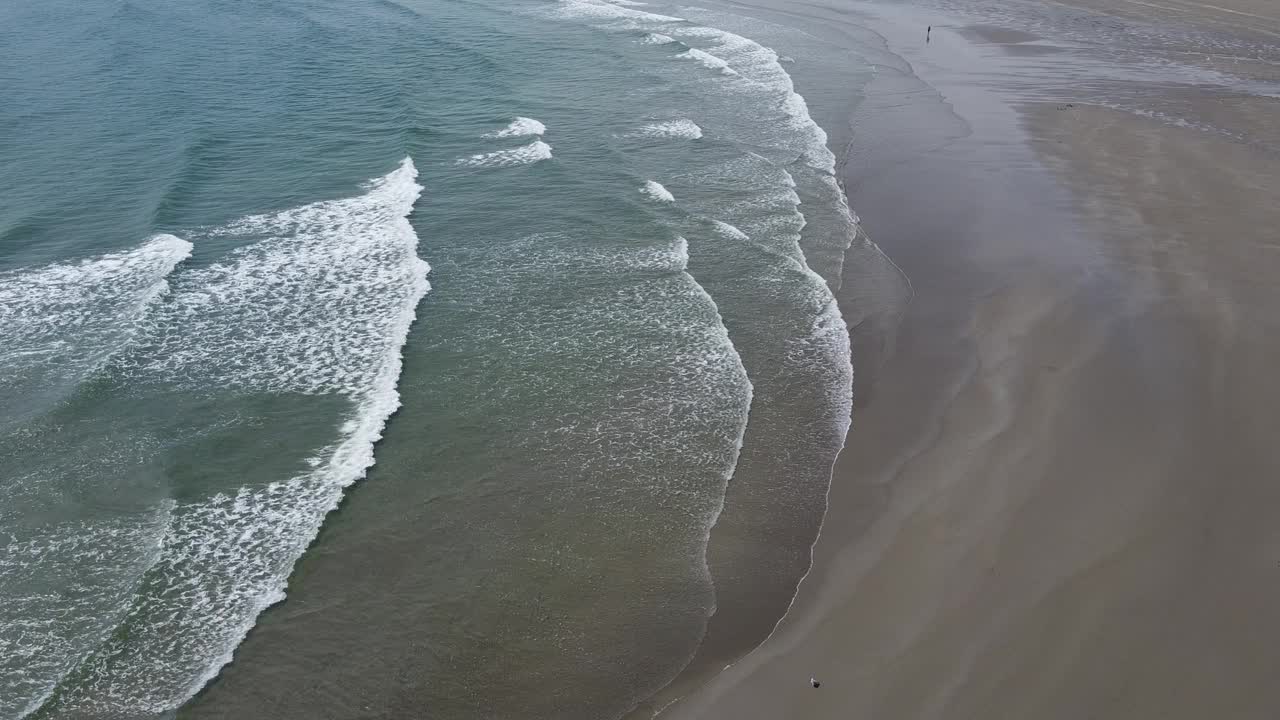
(587, 250)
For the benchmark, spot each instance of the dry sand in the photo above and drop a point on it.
(1061, 499)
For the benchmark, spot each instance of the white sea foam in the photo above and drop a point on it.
(674, 258)
(682, 253)
(708, 60)
(730, 54)
(769, 79)
(724, 40)
(779, 203)
(86, 304)
(685, 129)
(838, 197)
(321, 306)
(760, 109)
(538, 254)
(726, 229)
(100, 565)
(523, 155)
(692, 385)
(334, 275)
(520, 127)
(60, 322)
(656, 39)
(605, 11)
(655, 191)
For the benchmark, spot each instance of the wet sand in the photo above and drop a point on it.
(1242, 18)
(1058, 500)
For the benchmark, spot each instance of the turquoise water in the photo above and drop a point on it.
(585, 248)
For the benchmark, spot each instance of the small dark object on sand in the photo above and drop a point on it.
(927, 33)
(814, 682)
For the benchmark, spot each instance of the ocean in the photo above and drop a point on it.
(441, 329)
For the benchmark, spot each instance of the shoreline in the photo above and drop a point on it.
(952, 546)
(877, 294)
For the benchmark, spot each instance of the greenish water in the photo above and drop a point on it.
(584, 248)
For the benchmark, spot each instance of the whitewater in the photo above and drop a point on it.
(321, 306)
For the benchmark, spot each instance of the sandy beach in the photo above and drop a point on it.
(1058, 496)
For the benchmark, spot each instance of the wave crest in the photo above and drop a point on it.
(523, 155)
(520, 127)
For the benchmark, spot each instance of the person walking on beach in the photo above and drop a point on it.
(928, 33)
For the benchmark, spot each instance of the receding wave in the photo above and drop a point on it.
(523, 155)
